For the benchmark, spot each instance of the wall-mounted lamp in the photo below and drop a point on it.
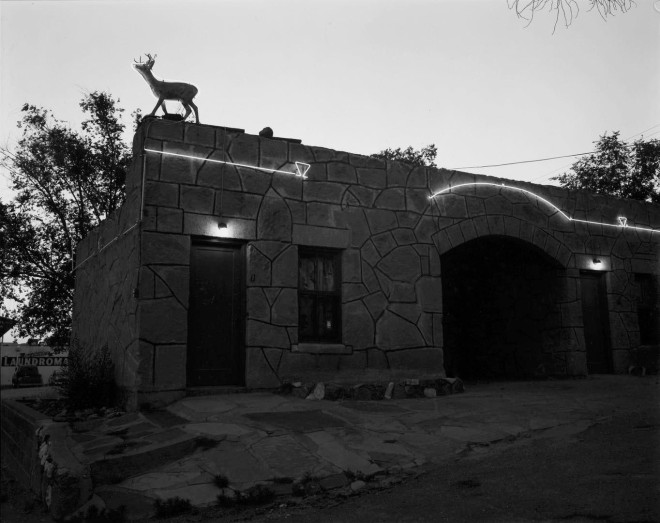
(222, 224)
(593, 262)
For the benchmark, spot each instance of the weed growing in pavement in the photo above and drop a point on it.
(221, 481)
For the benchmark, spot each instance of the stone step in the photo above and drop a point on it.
(109, 471)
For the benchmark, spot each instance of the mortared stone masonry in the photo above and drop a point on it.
(396, 243)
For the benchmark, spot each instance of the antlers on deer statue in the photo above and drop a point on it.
(180, 91)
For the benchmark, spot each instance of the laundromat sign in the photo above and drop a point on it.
(40, 361)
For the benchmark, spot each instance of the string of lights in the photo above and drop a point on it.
(301, 167)
(301, 171)
(622, 220)
(99, 250)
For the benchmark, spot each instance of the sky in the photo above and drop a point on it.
(354, 75)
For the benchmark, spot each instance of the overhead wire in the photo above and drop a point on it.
(551, 157)
(519, 162)
(548, 175)
(554, 171)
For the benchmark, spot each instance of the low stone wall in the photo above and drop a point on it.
(19, 443)
(64, 485)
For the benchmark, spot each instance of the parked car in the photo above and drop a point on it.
(27, 376)
(56, 378)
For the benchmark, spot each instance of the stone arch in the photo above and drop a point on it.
(509, 310)
(460, 232)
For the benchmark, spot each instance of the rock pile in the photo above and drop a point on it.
(409, 388)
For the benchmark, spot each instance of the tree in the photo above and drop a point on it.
(567, 9)
(66, 182)
(618, 169)
(425, 157)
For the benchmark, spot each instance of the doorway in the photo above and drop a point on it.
(216, 318)
(500, 312)
(596, 322)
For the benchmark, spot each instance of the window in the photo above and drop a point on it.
(319, 296)
(647, 313)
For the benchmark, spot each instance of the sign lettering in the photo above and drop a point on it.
(40, 361)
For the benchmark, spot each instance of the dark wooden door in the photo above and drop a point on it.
(596, 322)
(215, 315)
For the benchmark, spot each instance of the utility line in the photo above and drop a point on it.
(544, 159)
(652, 127)
(522, 161)
(555, 171)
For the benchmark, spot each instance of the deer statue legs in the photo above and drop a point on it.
(159, 103)
(188, 106)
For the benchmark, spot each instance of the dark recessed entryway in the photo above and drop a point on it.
(500, 308)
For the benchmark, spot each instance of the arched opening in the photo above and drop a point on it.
(501, 310)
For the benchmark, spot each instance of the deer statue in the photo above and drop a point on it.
(180, 91)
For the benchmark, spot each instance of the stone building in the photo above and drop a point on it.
(239, 260)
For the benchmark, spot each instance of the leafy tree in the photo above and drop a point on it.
(618, 169)
(567, 10)
(424, 157)
(66, 181)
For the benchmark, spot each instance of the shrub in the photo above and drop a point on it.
(172, 507)
(221, 481)
(88, 381)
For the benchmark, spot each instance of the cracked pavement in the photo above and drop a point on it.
(255, 438)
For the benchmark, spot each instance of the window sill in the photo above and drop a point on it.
(322, 348)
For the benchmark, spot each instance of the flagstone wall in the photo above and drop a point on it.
(105, 300)
(391, 236)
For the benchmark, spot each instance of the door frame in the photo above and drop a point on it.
(242, 248)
